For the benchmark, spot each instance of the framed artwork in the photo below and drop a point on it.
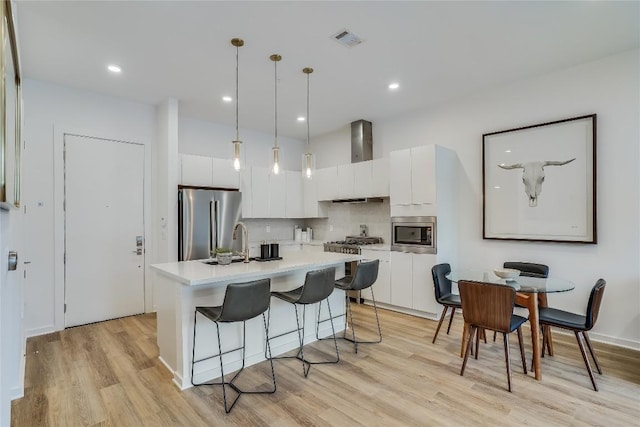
(10, 112)
(539, 182)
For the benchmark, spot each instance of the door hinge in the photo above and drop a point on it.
(65, 308)
(64, 258)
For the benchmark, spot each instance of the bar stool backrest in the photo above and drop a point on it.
(318, 285)
(244, 301)
(366, 275)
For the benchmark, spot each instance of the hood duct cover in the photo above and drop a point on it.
(361, 141)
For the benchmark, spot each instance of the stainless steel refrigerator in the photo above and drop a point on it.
(205, 222)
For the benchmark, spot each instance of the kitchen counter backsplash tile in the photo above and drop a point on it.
(347, 217)
(280, 229)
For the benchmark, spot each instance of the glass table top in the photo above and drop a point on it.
(520, 283)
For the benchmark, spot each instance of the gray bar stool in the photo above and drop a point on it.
(365, 276)
(318, 285)
(242, 302)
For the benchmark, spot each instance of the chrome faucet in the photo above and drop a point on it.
(245, 239)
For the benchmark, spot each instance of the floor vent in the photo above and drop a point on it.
(347, 38)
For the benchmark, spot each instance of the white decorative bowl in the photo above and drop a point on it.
(507, 273)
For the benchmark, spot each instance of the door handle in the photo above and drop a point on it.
(13, 261)
(137, 251)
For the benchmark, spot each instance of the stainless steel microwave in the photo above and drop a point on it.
(415, 234)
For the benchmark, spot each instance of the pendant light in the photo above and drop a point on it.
(237, 153)
(308, 159)
(275, 167)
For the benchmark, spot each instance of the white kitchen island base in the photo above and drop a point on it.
(181, 286)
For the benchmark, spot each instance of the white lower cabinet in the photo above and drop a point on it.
(382, 287)
(411, 282)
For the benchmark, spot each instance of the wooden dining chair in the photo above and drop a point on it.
(578, 324)
(490, 306)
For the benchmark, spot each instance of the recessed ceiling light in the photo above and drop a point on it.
(393, 86)
(227, 99)
(507, 151)
(301, 119)
(114, 69)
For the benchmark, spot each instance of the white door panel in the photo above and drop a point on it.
(104, 276)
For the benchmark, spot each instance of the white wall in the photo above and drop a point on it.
(50, 110)
(610, 88)
(212, 139)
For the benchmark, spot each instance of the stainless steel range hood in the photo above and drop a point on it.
(361, 150)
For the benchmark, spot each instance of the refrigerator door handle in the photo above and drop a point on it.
(212, 228)
(216, 219)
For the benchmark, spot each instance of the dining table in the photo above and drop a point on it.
(531, 292)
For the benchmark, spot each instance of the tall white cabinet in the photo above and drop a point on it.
(422, 183)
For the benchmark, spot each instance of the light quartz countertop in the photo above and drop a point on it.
(193, 273)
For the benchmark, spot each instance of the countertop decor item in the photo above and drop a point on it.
(506, 273)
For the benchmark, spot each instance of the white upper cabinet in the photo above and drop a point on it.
(413, 176)
(380, 177)
(196, 170)
(277, 195)
(345, 181)
(327, 186)
(294, 203)
(245, 189)
(362, 183)
(204, 171)
(224, 175)
(312, 209)
(259, 192)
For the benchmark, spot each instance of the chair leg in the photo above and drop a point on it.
(593, 354)
(478, 331)
(494, 336)
(453, 313)
(353, 329)
(442, 316)
(544, 339)
(472, 330)
(305, 367)
(507, 359)
(586, 360)
(521, 344)
(484, 335)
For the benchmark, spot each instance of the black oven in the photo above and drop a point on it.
(414, 234)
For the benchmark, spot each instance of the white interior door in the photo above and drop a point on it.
(104, 263)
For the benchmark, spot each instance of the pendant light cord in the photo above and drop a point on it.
(275, 68)
(308, 144)
(237, 99)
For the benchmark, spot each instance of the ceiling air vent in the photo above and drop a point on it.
(347, 38)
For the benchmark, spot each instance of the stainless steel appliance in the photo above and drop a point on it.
(351, 245)
(415, 234)
(205, 222)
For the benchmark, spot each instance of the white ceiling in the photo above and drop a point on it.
(436, 50)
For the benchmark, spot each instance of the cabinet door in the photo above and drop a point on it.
(362, 185)
(382, 287)
(423, 175)
(380, 177)
(260, 192)
(294, 206)
(401, 266)
(400, 177)
(277, 195)
(224, 175)
(197, 170)
(423, 291)
(310, 197)
(247, 194)
(345, 178)
(327, 183)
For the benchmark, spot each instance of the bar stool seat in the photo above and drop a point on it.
(242, 302)
(317, 287)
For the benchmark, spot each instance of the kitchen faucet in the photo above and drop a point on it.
(245, 238)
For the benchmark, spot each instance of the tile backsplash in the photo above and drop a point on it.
(343, 220)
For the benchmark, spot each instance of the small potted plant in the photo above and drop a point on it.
(224, 255)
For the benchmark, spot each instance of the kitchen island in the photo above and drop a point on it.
(181, 286)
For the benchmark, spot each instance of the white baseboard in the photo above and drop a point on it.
(39, 331)
(404, 310)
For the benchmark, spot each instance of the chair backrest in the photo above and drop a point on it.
(441, 284)
(366, 274)
(318, 285)
(529, 269)
(244, 301)
(595, 299)
(487, 305)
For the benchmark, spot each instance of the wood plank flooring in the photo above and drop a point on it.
(108, 374)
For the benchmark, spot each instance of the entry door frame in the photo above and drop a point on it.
(59, 214)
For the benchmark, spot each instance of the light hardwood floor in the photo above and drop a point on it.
(108, 374)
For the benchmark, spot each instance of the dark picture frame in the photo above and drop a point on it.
(539, 182)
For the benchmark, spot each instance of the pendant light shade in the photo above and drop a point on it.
(238, 158)
(308, 159)
(275, 164)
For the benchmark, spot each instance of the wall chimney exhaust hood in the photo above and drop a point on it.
(361, 150)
